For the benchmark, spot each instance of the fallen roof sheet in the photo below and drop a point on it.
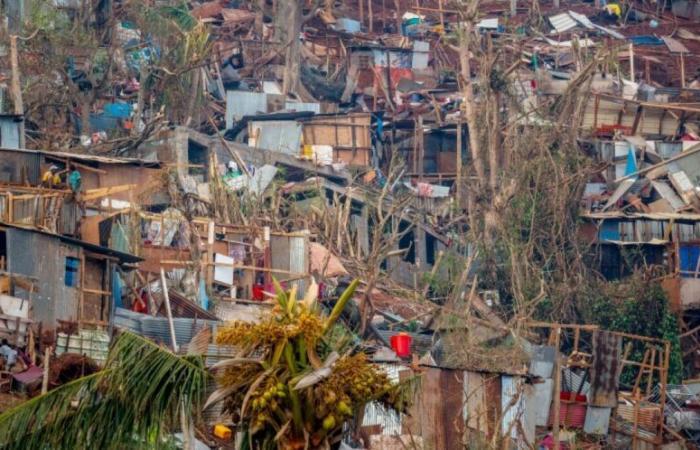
(562, 22)
(83, 157)
(674, 46)
(631, 216)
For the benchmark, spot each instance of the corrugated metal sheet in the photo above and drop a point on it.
(543, 400)
(542, 361)
(376, 414)
(68, 217)
(43, 256)
(597, 420)
(92, 343)
(9, 133)
(299, 257)
(300, 106)
(607, 353)
(242, 103)
(511, 405)
(674, 46)
(157, 328)
(562, 22)
(282, 136)
(12, 163)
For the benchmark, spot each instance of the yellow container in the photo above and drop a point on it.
(307, 151)
(222, 432)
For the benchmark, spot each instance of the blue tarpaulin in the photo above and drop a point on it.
(609, 231)
(118, 110)
(631, 166)
(203, 298)
(117, 289)
(688, 255)
(646, 40)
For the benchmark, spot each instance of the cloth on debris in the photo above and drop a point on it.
(203, 298)
(631, 167)
(607, 356)
(29, 375)
(75, 181)
(324, 262)
(9, 353)
(117, 289)
(428, 190)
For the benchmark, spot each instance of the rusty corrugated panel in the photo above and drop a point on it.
(607, 354)
(673, 45)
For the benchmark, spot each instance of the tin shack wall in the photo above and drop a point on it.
(44, 257)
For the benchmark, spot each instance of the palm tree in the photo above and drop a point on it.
(129, 404)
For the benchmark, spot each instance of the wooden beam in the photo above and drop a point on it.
(94, 194)
(168, 311)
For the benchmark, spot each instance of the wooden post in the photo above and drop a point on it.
(458, 168)
(267, 256)
(16, 88)
(18, 325)
(421, 148)
(82, 286)
(362, 13)
(513, 7)
(647, 71)
(682, 70)
(397, 7)
(557, 386)
(442, 14)
(166, 298)
(637, 400)
(433, 271)
(209, 268)
(663, 380)
(631, 50)
(45, 381)
(370, 15)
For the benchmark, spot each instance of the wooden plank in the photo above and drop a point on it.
(94, 194)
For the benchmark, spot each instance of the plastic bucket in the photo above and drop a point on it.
(258, 292)
(401, 344)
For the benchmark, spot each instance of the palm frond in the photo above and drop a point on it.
(126, 405)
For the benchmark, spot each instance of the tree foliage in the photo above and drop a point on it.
(131, 403)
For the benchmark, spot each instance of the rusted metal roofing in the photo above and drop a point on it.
(674, 46)
(607, 360)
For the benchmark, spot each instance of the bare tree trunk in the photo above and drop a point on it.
(16, 87)
(469, 105)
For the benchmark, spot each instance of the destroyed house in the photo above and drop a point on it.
(75, 279)
(25, 167)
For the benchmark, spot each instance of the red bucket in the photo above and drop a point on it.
(258, 290)
(401, 344)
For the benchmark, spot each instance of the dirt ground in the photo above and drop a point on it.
(8, 401)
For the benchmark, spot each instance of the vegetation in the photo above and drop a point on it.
(636, 306)
(131, 403)
(306, 385)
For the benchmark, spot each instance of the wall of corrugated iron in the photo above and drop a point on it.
(376, 414)
(11, 164)
(43, 257)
